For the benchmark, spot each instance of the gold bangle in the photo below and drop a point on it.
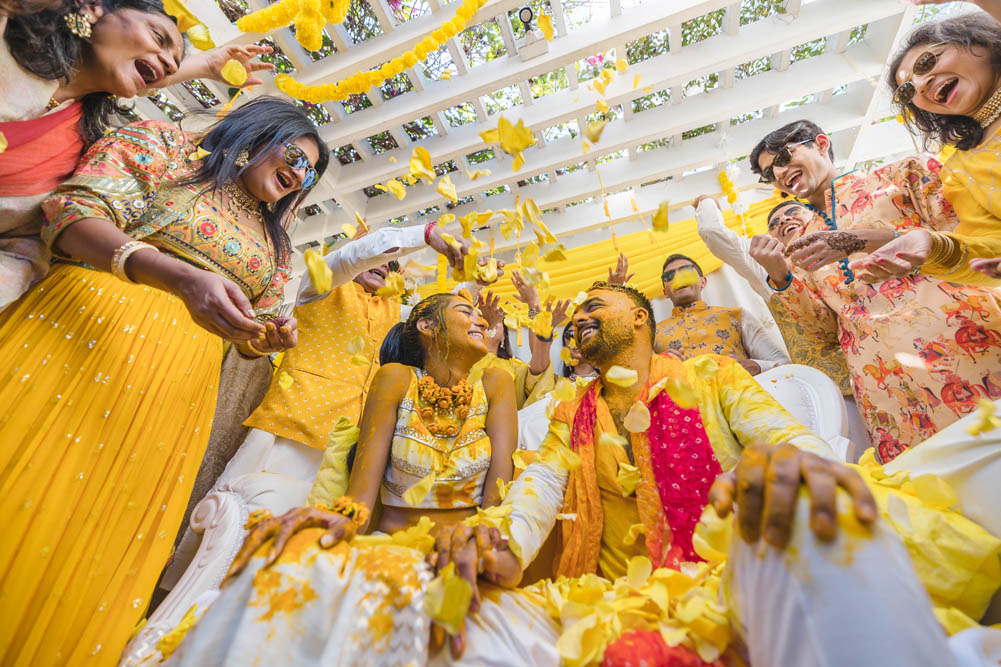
(345, 506)
(122, 254)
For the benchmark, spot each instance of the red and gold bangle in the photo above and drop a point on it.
(122, 254)
(427, 231)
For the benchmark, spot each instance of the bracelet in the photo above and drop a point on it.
(122, 254)
(545, 340)
(769, 282)
(533, 311)
(427, 231)
(896, 234)
(347, 507)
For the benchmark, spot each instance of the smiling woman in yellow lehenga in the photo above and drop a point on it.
(109, 378)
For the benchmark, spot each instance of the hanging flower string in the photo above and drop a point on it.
(308, 16)
(358, 82)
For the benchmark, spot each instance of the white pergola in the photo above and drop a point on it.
(671, 151)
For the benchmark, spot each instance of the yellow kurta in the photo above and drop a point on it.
(972, 184)
(700, 329)
(326, 383)
(108, 391)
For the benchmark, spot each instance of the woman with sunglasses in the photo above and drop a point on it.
(946, 80)
(111, 362)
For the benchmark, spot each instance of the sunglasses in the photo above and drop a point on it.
(777, 218)
(782, 158)
(296, 158)
(668, 275)
(906, 91)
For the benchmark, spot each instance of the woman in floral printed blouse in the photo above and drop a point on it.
(112, 361)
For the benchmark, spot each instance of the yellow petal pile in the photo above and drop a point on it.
(622, 377)
(986, 421)
(319, 273)
(415, 537)
(447, 599)
(234, 73)
(285, 380)
(594, 612)
(394, 286)
(285, 11)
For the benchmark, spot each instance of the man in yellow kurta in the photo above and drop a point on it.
(626, 471)
(695, 328)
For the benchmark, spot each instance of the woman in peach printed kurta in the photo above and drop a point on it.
(920, 351)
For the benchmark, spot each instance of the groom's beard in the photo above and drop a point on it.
(612, 337)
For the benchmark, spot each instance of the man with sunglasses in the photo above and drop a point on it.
(695, 328)
(904, 340)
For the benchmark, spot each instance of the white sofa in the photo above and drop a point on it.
(277, 475)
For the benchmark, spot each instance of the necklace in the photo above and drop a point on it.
(238, 200)
(990, 111)
(831, 221)
(440, 402)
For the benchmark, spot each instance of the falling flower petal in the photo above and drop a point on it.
(490, 136)
(355, 345)
(420, 164)
(636, 81)
(566, 357)
(556, 254)
(393, 159)
(319, 273)
(638, 571)
(585, 146)
(234, 73)
(579, 299)
(396, 188)
(628, 478)
(565, 389)
(446, 188)
(199, 153)
(986, 421)
(450, 240)
(3, 146)
(200, 37)
(393, 287)
(546, 25)
(285, 380)
(621, 65)
(419, 491)
(514, 138)
(635, 531)
(447, 599)
(445, 76)
(660, 219)
(542, 324)
(622, 377)
(681, 393)
(477, 174)
(349, 230)
(594, 129)
(566, 516)
(601, 105)
(637, 420)
(360, 360)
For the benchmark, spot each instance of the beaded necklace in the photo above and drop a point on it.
(831, 221)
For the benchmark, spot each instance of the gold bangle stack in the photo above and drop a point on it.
(346, 506)
(122, 254)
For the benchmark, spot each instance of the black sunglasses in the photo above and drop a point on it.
(782, 158)
(296, 158)
(669, 274)
(906, 91)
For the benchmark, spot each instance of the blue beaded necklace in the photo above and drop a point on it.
(831, 221)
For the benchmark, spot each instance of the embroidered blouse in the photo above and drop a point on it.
(459, 463)
(129, 179)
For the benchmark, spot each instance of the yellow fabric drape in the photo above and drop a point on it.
(588, 263)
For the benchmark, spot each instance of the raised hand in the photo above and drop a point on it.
(897, 258)
(817, 250)
(765, 486)
(559, 309)
(281, 528)
(209, 64)
(453, 254)
(527, 294)
(769, 252)
(619, 275)
(490, 308)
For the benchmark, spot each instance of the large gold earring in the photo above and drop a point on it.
(242, 158)
(79, 25)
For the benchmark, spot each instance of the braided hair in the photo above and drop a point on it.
(410, 351)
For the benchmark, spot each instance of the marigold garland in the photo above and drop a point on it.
(309, 17)
(358, 82)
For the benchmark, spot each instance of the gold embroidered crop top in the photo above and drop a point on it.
(459, 463)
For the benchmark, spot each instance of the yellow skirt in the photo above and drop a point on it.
(107, 394)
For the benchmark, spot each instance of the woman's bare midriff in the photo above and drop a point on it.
(395, 518)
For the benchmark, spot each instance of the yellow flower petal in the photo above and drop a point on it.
(393, 159)
(488, 272)
(636, 81)
(319, 273)
(419, 491)
(622, 377)
(660, 219)
(705, 365)
(542, 324)
(502, 487)
(450, 240)
(446, 188)
(579, 299)
(612, 440)
(200, 37)
(477, 174)
(445, 76)
(170, 641)
(621, 65)
(594, 129)
(420, 164)
(566, 516)
(285, 380)
(200, 153)
(234, 73)
(355, 345)
(637, 419)
(348, 229)
(490, 136)
(585, 146)
(681, 393)
(565, 390)
(986, 421)
(634, 533)
(601, 105)
(396, 188)
(556, 254)
(628, 478)
(447, 599)
(393, 287)
(684, 278)
(531, 256)
(638, 571)
(360, 360)
(546, 25)
(713, 535)
(566, 357)
(531, 211)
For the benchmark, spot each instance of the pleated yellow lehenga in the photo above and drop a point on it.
(107, 391)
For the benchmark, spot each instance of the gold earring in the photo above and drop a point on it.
(242, 158)
(79, 25)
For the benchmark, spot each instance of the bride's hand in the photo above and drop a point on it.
(282, 528)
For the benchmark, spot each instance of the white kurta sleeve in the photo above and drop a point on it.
(376, 248)
(761, 348)
(730, 247)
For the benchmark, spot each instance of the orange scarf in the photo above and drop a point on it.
(41, 153)
(580, 540)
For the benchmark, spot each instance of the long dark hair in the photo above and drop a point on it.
(391, 351)
(409, 350)
(261, 124)
(970, 31)
(42, 44)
